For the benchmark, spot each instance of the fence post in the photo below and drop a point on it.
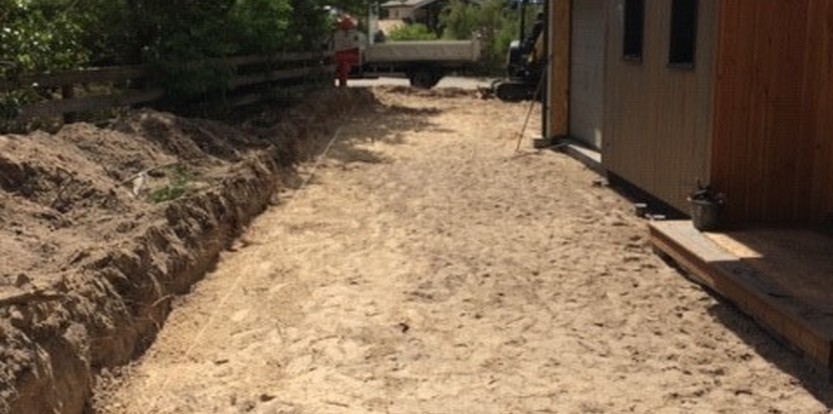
(68, 92)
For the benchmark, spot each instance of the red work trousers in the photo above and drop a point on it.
(345, 59)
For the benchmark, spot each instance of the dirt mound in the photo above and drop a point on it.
(101, 228)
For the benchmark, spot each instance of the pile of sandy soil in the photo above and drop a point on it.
(101, 229)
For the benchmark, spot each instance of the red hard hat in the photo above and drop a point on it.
(346, 23)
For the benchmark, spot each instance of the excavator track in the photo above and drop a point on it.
(514, 90)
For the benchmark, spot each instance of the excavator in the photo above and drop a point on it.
(524, 62)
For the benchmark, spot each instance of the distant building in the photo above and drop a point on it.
(407, 9)
(425, 12)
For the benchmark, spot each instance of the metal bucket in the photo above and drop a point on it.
(705, 214)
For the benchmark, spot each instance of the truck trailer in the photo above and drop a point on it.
(424, 62)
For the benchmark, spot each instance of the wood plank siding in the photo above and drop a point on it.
(819, 81)
(773, 140)
(658, 118)
(558, 81)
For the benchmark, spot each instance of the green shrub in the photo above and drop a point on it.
(412, 32)
(178, 184)
(178, 37)
(38, 38)
(461, 21)
(491, 21)
(108, 31)
(35, 37)
(262, 25)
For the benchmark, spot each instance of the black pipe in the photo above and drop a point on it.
(522, 10)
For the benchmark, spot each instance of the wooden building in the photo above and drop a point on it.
(425, 12)
(406, 9)
(737, 94)
(772, 146)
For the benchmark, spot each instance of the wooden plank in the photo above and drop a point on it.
(89, 103)
(814, 88)
(91, 75)
(71, 104)
(270, 76)
(724, 157)
(251, 98)
(247, 99)
(786, 108)
(788, 316)
(820, 107)
(558, 82)
(799, 261)
(123, 73)
(823, 177)
(257, 59)
(757, 43)
(720, 151)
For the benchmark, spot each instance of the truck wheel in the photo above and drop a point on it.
(424, 79)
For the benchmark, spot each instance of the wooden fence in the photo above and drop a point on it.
(248, 71)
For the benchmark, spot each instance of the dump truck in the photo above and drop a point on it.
(424, 62)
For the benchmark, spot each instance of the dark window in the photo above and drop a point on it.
(683, 33)
(634, 29)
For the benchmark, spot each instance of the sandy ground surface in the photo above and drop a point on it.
(101, 226)
(427, 268)
(461, 82)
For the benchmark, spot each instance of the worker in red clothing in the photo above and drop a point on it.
(346, 45)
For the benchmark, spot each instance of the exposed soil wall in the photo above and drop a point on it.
(102, 228)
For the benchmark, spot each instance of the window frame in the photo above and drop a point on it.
(633, 43)
(682, 41)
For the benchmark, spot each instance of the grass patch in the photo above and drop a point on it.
(179, 182)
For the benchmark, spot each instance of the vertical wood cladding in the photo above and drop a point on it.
(658, 118)
(773, 135)
(820, 105)
(558, 82)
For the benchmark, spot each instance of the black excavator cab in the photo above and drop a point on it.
(524, 61)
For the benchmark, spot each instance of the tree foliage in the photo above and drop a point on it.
(176, 36)
(35, 39)
(46, 35)
(354, 7)
(415, 31)
(492, 21)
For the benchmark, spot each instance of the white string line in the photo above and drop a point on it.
(204, 329)
(316, 164)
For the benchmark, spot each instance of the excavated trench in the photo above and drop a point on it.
(427, 269)
(101, 229)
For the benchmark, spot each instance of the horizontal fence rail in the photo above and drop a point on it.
(88, 103)
(92, 75)
(297, 66)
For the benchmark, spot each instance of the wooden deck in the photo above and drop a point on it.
(783, 278)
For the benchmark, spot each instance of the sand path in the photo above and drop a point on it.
(429, 269)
